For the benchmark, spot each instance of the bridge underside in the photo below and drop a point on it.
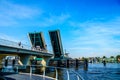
(24, 54)
(24, 59)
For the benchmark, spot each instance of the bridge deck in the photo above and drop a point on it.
(7, 46)
(26, 76)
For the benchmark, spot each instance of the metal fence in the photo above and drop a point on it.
(31, 75)
(14, 44)
(68, 72)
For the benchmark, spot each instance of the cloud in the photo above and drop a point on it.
(7, 37)
(12, 40)
(12, 14)
(18, 11)
(102, 38)
(53, 20)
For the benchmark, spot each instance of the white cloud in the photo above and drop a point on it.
(102, 38)
(18, 11)
(11, 13)
(7, 37)
(53, 20)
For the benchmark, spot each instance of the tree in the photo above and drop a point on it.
(118, 58)
(104, 56)
(112, 59)
(111, 56)
(83, 58)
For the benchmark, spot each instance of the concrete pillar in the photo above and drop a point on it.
(76, 62)
(25, 59)
(46, 59)
(85, 64)
(59, 63)
(68, 63)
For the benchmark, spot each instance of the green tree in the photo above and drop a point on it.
(104, 56)
(118, 57)
(112, 59)
(83, 58)
(111, 56)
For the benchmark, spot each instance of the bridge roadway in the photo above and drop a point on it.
(15, 50)
(24, 52)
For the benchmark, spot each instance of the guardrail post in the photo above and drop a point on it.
(68, 77)
(56, 74)
(78, 77)
(17, 69)
(44, 74)
(30, 72)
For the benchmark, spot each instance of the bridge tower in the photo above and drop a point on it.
(57, 49)
(37, 41)
(56, 43)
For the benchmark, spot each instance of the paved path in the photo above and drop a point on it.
(26, 76)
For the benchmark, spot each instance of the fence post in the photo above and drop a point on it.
(17, 69)
(78, 77)
(68, 77)
(30, 72)
(56, 74)
(44, 74)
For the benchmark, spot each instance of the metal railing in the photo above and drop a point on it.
(79, 77)
(18, 45)
(13, 44)
(43, 75)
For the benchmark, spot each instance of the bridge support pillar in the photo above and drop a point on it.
(85, 64)
(67, 63)
(25, 59)
(46, 59)
(77, 63)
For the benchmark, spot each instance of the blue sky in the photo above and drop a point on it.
(88, 27)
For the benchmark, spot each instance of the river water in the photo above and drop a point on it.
(95, 72)
(99, 72)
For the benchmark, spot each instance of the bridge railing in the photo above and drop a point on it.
(29, 69)
(56, 72)
(18, 45)
(13, 44)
